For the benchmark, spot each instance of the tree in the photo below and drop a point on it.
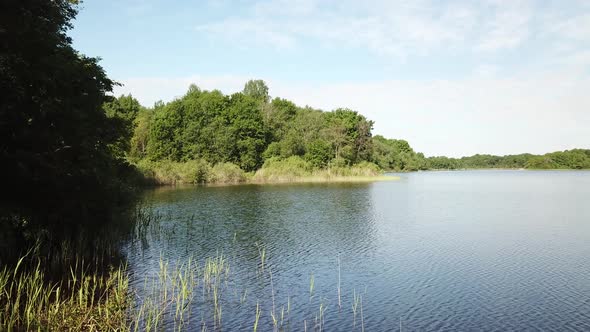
(122, 111)
(55, 137)
(203, 125)
(256, 89)
(166, 131)
(397, 155)
(141, 131)
(245, 120)
(350, 133)
(277, 116)
(319, 153)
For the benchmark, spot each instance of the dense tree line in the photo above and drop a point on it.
(569, 159)
(245, 129)
(248, 128)
(397, 155)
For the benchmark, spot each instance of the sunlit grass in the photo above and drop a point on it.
(83, 302)
(327, 179)
(290, 170)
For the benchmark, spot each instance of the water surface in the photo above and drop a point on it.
(435, 251)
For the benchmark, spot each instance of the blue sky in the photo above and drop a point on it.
(451, 77)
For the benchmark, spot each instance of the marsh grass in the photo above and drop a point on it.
(190, 172)
(297, 170)
(83, 302)
(167, 305)
(181, 295)
(290, 170)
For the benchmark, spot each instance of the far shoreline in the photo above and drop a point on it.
(493, 169)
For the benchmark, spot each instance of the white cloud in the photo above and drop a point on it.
(576, 28)
(390, 28)
(400, 27)
(507, 27)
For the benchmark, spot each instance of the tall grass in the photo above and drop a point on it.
(83, 302)
(274, 170)
(191, 172)
(93, 302)
(296, 169)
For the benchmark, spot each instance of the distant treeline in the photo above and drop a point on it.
(249, 128)
(569, 159)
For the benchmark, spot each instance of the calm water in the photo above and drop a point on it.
(435, 251)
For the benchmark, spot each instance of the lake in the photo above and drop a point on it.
(434, 251)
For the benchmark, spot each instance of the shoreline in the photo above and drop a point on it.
(295, 180)
(331, 179)
(500, 169)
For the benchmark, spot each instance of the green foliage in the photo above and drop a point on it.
(319, 153)
(297, 169)
(208, 125)
(141, 131)
(227, 173)
(273, 150)
(257, 90)
(245, 119)
(173, 172)
(338, 162)
(277, 116)
(283, 170)
(442, 162)
(362, 169)
(245, 129)
(84, 301)
(190, 172)
(541, 162)
(350, 134)
(166, 131)
(396, 155)
(123, 111)
(569, 159)
(56, 141)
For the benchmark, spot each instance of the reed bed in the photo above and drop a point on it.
(82, 302)
(167, 301)
(189, 294)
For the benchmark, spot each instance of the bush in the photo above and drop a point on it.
(283, 170)
(171, 172)
(227, 173)
(319, 153)
(338, 162)
(361, 169)
(190, 172)
(273, 150)
(294, 169)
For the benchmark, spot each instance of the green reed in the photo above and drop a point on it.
(87, 301)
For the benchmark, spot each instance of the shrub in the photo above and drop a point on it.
(227, 173)
(361, 169)
(319, 153)
(283, 170)
(171, 172)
